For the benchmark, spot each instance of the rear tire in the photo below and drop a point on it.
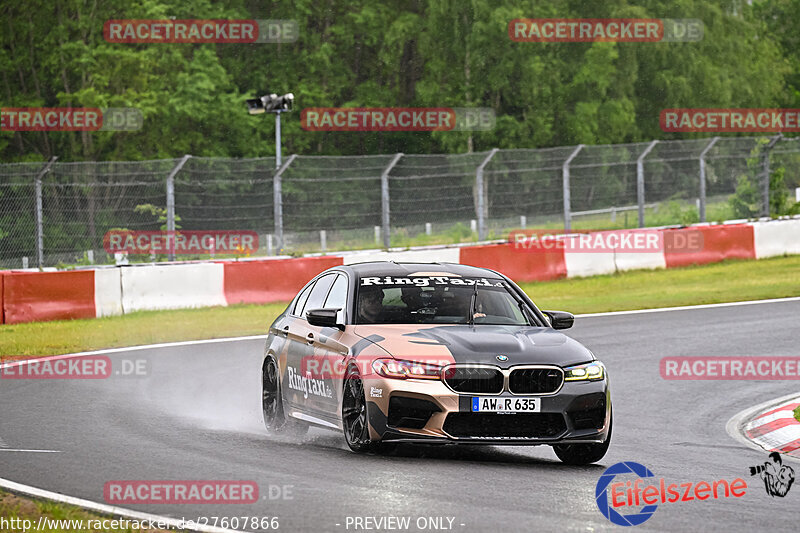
(354, 414)
(275, 421)
(583, 454)
(271, 404)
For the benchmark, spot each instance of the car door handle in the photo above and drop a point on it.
(310, 338)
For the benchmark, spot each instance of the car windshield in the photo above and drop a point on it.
(437, 300)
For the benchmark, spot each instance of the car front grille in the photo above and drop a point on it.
(507, 426)
(535, 380)
(474, 380)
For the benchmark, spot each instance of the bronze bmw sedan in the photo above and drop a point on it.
(432, 353)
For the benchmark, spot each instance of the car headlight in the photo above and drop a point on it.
(588, 372)
(397, 369)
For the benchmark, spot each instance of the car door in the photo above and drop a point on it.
(303, 385)
(281, 344)
(330, 353)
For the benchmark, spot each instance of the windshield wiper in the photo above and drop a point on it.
(526, 311)
(472, 302)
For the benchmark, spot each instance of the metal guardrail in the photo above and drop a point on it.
(58, 211)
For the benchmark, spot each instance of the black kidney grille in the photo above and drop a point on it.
(535, 380)
(474, 380)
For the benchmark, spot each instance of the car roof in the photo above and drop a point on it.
(392, 268)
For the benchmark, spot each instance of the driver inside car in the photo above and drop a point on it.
(424, 304)
(421, 304)
(412, 298)
(370, 307)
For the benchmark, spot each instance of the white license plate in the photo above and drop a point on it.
(495, 404)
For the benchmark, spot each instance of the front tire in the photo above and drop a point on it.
(354, 413)
(583, 454)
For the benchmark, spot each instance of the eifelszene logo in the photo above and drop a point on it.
(631, 494)
(601, 494)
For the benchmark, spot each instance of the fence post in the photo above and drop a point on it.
(37, 183)
(277, 200)
(702, 207)
(277, 139)
(387, 238)
(565, 183)
(640, 181)
(171, 205)
(481, 199)
(765, 172)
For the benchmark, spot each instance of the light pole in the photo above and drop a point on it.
(272, 103)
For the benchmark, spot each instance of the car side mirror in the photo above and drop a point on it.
(560, 319)
(324, 318)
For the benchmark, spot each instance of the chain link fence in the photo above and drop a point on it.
(57, 213)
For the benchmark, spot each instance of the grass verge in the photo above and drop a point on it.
(722, 282)
(144, 327)
(16, 510)
(729, 281)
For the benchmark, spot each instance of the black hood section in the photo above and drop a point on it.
(520, 344)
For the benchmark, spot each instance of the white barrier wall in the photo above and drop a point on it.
(107, 292)
(172, 286)
(637, 261)
(776, 237)
(583, 264)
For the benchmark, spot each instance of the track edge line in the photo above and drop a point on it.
(27, 490)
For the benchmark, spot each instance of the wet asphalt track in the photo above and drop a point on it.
(197, 416)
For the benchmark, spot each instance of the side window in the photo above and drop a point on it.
(317, 296)
(301, 301)
(337, 299)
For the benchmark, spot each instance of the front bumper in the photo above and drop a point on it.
(423, 411)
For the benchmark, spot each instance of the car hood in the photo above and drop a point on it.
(476, 344)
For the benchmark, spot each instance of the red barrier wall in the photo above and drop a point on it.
(735, 241)
(258, 282)
(517, 265)
(41, 296)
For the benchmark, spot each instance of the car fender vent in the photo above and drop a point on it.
(412, 413)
